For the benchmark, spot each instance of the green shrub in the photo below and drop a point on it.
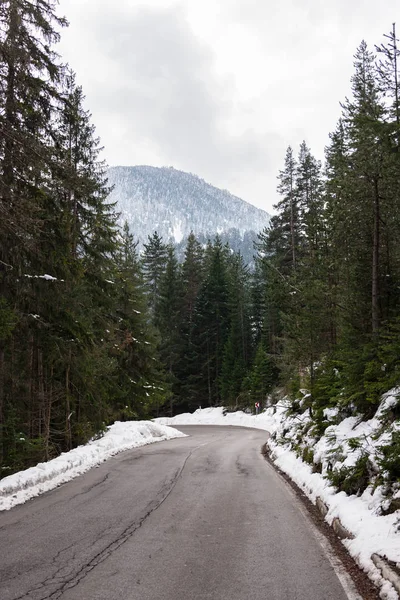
(319, 428)
(352, 480)
(389, 458)
(354, 443)
(308, 455)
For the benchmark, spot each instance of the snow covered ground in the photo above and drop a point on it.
(20, 487)
(361, 515)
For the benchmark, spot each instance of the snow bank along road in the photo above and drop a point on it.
(201, 517)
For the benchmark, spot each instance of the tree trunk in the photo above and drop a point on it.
(10, 116)
(2, 375)
(68, 433)
(44, 404)
(375, 261)
(292, 233)
(209, 375)
(396, 77)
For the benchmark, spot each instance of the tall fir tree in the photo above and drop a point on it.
(237, 351)
(192, 275)
(141, 382)
(29, 75)
(154, 261)
(211, 325)
(286, 223)
(168, 319)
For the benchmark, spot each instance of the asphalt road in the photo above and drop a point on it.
(203, 517)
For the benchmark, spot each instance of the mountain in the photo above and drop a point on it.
(174, 203)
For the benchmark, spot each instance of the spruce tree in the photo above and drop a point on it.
(168, 319)
(388, 73)
(211, 325)
(141, 384)
(29, 75)
(238, 347)
(154, 261)
(192, 275)
(287, 223)
(361, 117)
(262, 377)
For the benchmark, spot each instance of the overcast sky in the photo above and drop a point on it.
(219, 88)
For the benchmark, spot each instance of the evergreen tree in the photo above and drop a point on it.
(211, 325)
(272, 289)
(362, 197)
(361, 116)
(29, 74)
(389, 133)
(154, 263)
(89, 227)
(257, 300)
(286, 225)
(238, 347)
(169, 323)
(262, 378)
(308, 319)
(141, 382)
(388, 74)
(192, 274)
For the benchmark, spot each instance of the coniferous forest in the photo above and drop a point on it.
(91, 331)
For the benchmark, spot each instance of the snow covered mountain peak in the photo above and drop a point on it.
(174, 203)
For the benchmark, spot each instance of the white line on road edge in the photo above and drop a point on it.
(345, 580)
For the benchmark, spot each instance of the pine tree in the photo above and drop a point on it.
(258, 300)
(309, 320)
(310, 199)
(192, 275)
(287, 222)
(362, 195)
(154, 262)
(273, 288)
(168, 319)
(262, 378)
(141, 382)
(29, 75)
(238, 347)
(361, 116)
(211, 325)
(389, 133)
(294, 274)
(388, 73)
(89, 226)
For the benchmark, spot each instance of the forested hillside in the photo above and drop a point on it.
(175, 203)
(90, 332)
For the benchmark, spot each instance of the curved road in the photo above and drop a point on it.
(203, 517)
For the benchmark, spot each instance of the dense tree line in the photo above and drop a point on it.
(91, 332)
(212, 347)
(321, 308)
(331, 259)
(76, 346)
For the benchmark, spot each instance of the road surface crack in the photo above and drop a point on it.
(66, 582)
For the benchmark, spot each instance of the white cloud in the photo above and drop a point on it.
(219, 88)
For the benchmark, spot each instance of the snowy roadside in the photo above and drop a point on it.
(371, 532)
(20, 487)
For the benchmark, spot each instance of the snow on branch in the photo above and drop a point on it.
(45, 276)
